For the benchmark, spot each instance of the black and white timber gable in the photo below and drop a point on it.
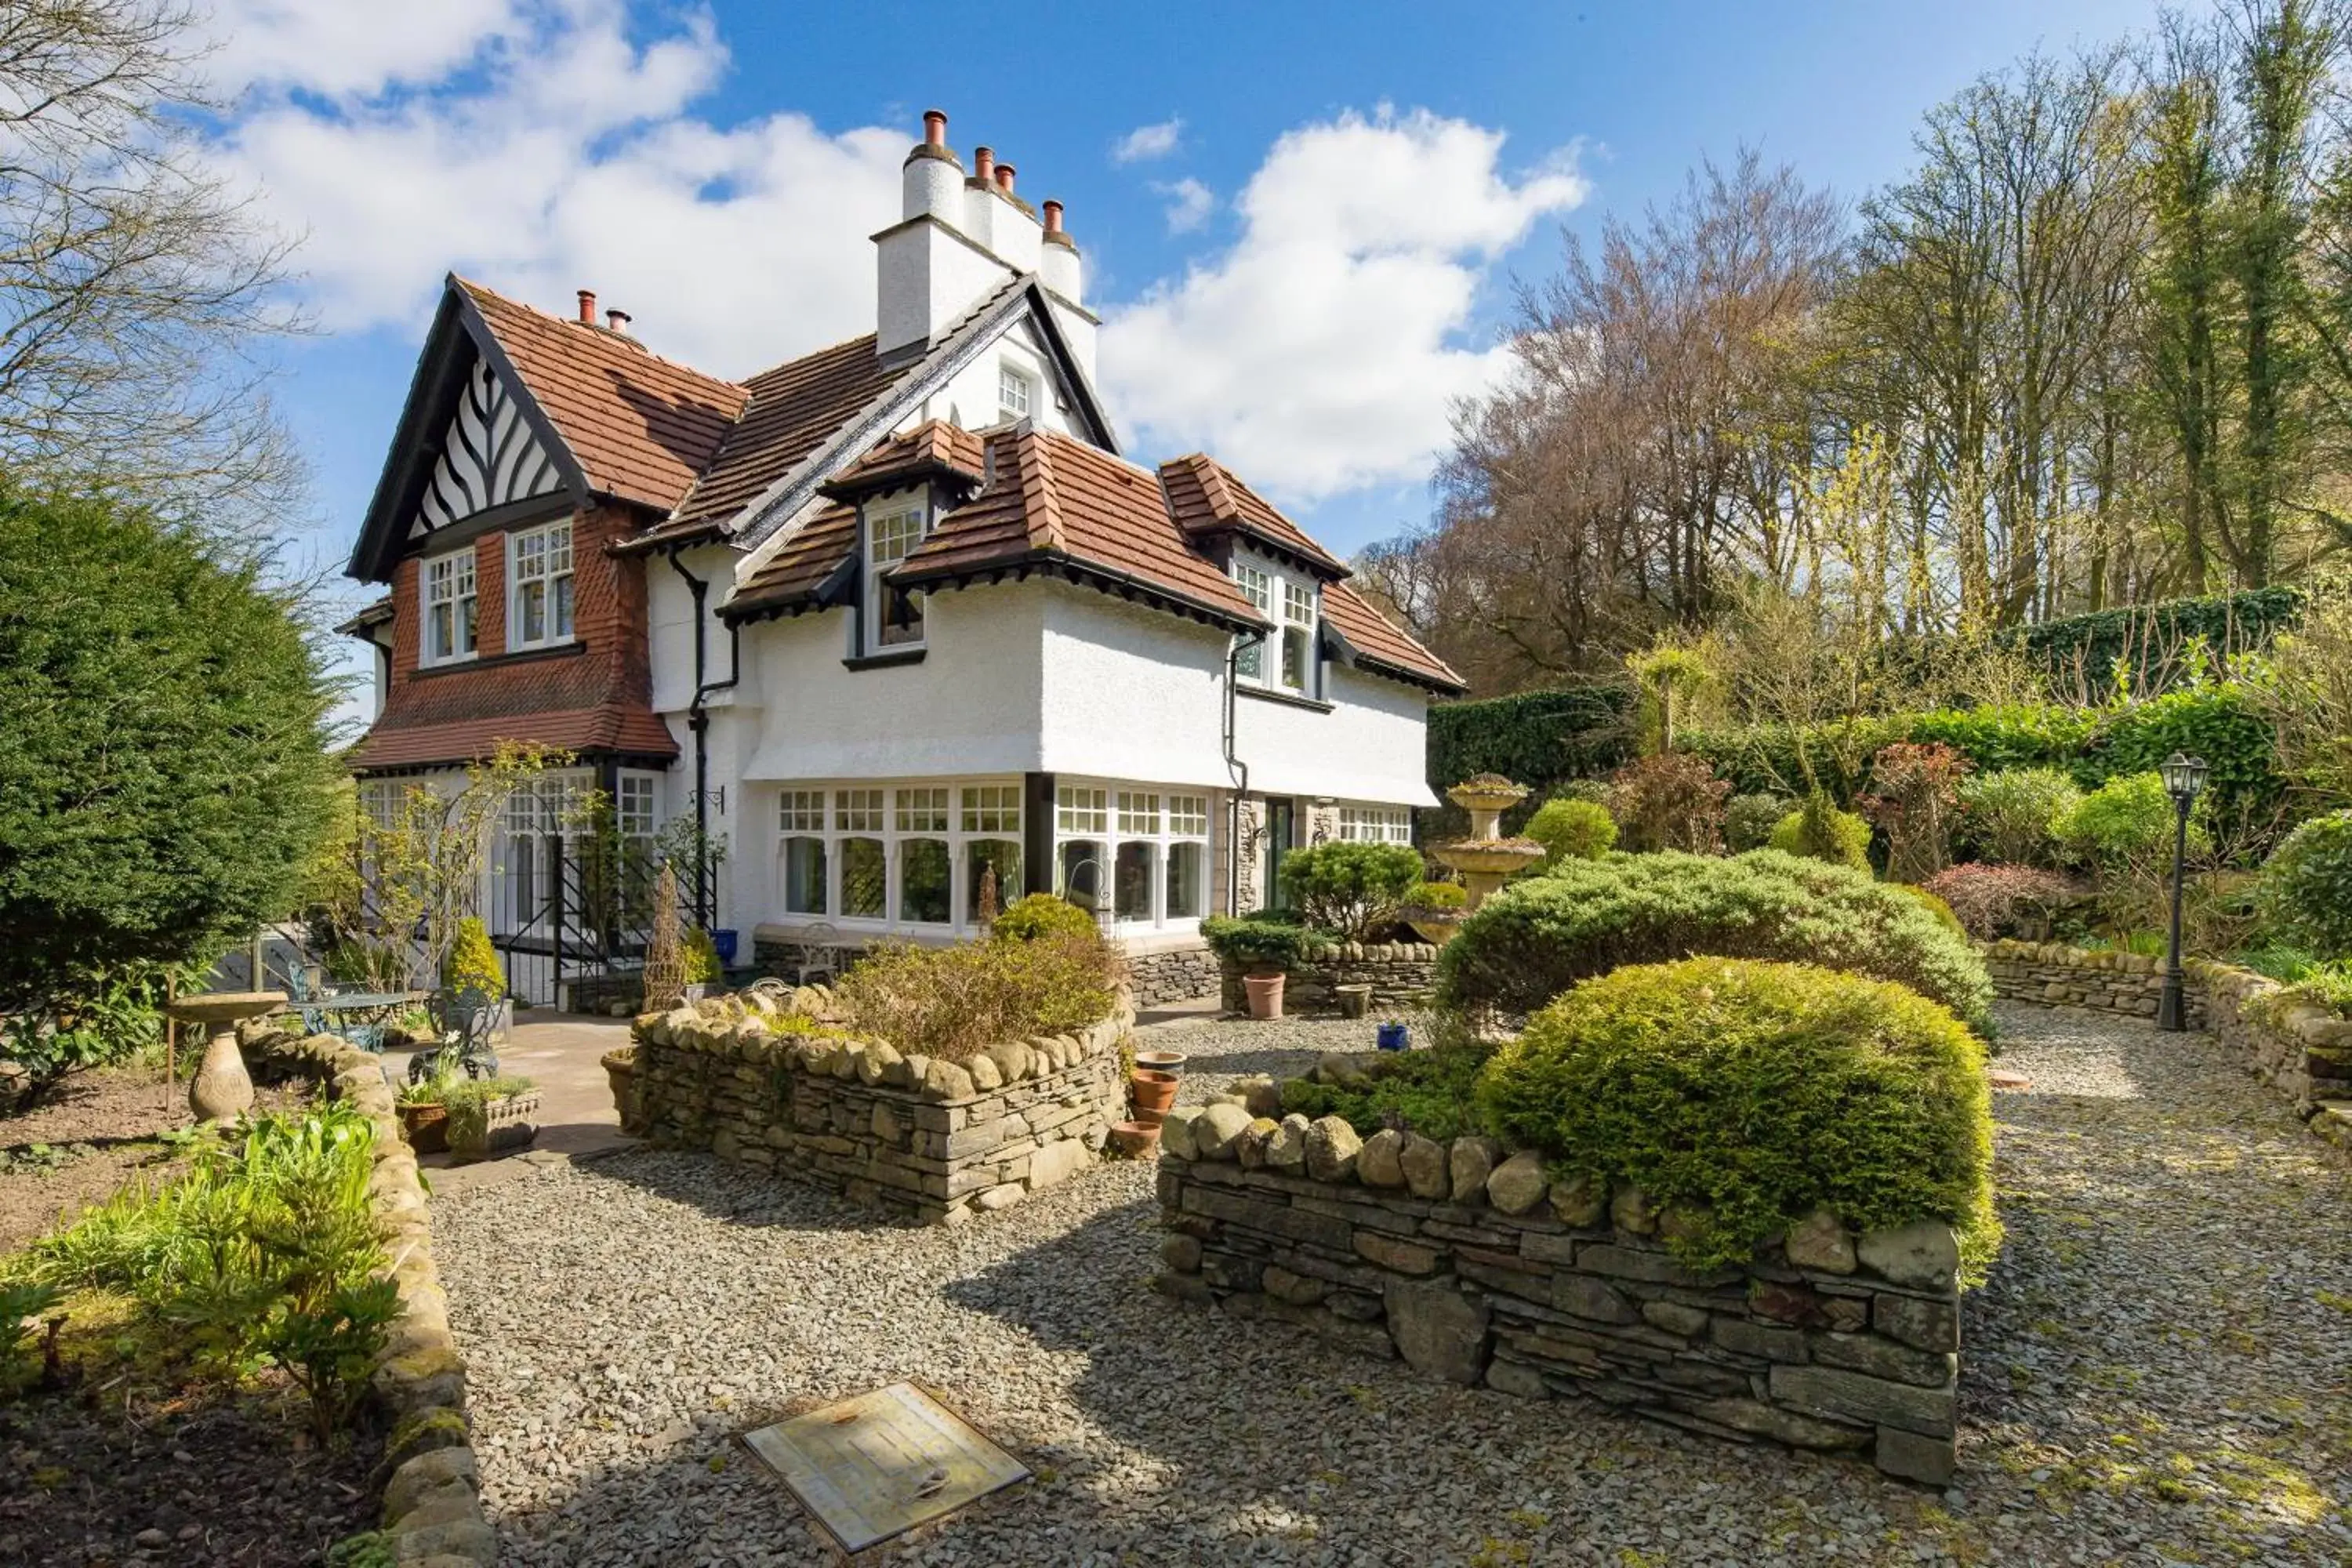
(490, 458)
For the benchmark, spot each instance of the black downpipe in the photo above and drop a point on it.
(698, 722)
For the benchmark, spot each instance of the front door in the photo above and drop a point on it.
(1281, 833)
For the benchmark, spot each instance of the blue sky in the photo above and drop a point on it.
(1306, 252)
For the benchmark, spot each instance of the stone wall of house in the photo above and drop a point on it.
(1178, 975)
(2302, 1050)
(912, 1134)
(432, 1508)
(1476, 1267)
(1402, 976)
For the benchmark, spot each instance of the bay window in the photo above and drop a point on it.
(539, 586)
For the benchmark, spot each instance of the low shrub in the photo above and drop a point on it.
(2125, 829)
(700, 955)
(1993, 902)
(95, 1021)
(1933, 904)
(1672, 801)
(1750, 1094)
(2008, 816)
(952, 1002)
(1349, 889)
(1537, 938)
(1914, 793)
(2306, 885)
(1425, 1092)
(1257, 940)
(1748, 821)
(1572, 830)
(1435, 898)
(1039, 915)
(1820, 831)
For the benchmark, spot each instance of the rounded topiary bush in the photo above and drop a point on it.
(1748, 821)
(1751, 1094)
(1572, 830)
(1820, 831)
(1041, 915)
(1538, 937)
(2306, 885)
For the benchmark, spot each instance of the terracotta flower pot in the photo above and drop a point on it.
(1135, 1140)
(1265, 992)
(426, 1126)
(1169, 1062)
(1151, 1091)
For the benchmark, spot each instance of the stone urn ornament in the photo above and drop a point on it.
(1487, 860)
(223, 1090)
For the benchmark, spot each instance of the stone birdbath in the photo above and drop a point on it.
(223, 1090)
(1487, 860)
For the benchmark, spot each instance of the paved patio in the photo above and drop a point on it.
(563, 1054)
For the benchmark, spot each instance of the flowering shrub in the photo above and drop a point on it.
(1995, 901)
(1914, 789)
(1673, 801)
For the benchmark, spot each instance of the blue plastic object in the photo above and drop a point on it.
(1395, 1038)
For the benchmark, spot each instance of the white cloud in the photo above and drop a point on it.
(1320, 353)
(1189, 203)
(1146, 141)
(554, 152)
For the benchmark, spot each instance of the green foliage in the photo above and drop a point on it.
(1539, 937)
(1534, 738)
(473, 961)
(1572, 830)
(94, 1020)
(1751, 1094)
(22, 1303)
(1262, 940)
(329, 1350)
(1425, 1092)
(1435, 898)
(470, 1100)
(1041, 914)
(369, 1549)
(1668, 802)
(1820, 831)
(953, 1000)
(2151, 643)
(700, 955)
(2007, 816)
(2221, 722)
(2124, 824)
(1933, 904)
(2306, 885)
(2327, 986)
(1348, 889)
(1748, 821)
(165, 779)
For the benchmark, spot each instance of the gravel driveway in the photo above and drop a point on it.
(2157, 1374)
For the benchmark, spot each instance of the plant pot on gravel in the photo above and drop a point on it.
(1152, 1094)
(1169, 1062)
(1264, 993)
(491, 1116)
(1353, 1001)
(1134, 1140)
(621, 1072)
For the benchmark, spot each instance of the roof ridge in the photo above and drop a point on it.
(1035, 461)
(638, 345)
(1212, 477)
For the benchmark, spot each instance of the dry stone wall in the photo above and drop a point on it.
(1402, 976)
(1476, 1267)
(912, 1134)
(1176, 976)
(2302, 1050)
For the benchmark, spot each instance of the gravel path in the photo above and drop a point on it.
(2157, 1374)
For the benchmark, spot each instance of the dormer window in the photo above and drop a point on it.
(1015, 394)
(449, 608)
(539, 578)
(1298, 634)
(1249, 660)
(1293, 601)
(894, 617)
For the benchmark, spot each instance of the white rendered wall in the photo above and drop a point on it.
(670, 623)
(969, 397)
(1130, 693)
(927, 277)
(1373, 746)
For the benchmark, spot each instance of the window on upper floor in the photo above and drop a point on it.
(1016, 394)
(539, 586)
(449, 609)
(1293, 600)
(1249, 660)
(893, 617)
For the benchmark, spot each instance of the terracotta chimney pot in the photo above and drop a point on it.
(1053, 217)
(935, 128)
(617, 320)
(588, 306)
(1005, 178)
(983, 165)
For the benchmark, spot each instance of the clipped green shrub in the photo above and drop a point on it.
(2008, 816)
(1534, 737)
(1820, 831)
(1042, 914)
(1425, 1091)
(701, 957)
(1435, 898)
(1261, 940)
(1572, 830)
(2306, 885)
(1933, 904)
(473, 962)
(1750, 1094)
(1539, 937)
(1349, 889)
(2148, 642)
(1748, 821)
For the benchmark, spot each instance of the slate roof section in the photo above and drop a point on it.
(628, 731)
(1208, 498)
(642, 427)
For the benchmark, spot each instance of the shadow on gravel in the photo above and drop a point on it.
(763, 1201)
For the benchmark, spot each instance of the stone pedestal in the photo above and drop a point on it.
(223, 1090)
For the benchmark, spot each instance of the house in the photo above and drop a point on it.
(895, 622)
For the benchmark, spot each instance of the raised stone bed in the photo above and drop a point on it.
(1477, 1268)
(2302, 1050)
(1176, 975)
(1401, 975)
(916, 1135)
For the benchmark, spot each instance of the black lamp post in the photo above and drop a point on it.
(2184, 780)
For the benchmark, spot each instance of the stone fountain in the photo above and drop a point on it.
(223, 1090)
(1487, 860)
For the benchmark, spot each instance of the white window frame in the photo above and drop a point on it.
(450, 578)
(1016, 392)
(1376, 823)
(1111, 813)
(877, 585)
(1293, 601)
(552, 574)
(959, 813)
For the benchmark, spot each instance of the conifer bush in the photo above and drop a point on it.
(1820, 831)
(1572, 830)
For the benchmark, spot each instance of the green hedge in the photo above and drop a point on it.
(1535, 739)
(1539, 937)
(2095, 643)
(1747, 1095)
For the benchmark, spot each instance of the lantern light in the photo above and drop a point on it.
(2184, 776)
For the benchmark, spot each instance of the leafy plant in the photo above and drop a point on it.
(1425, 1092)
(1348, 889)
(1041, 915)
(1671, 678)
(473, 962)
(470, 1100)
(700, 955)
(22, 1303)
(1914, 791)
(329, 1349)
(1750, 1094)
(2306, 885)
(1435, 898)
(1997, 900)
(2009, 816)
(1262, 940)
(1572, 830)
(1820, 831)
(92, 1020)
(2327, 986)
(1673, 801)
(1748, 821)
(1539, 937)
(2126, 828)
(952, 1002)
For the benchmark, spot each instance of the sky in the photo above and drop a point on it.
(1303, 224)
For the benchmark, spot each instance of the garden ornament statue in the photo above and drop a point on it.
(2184, 780)
(1487, 860)
(223, 1090)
